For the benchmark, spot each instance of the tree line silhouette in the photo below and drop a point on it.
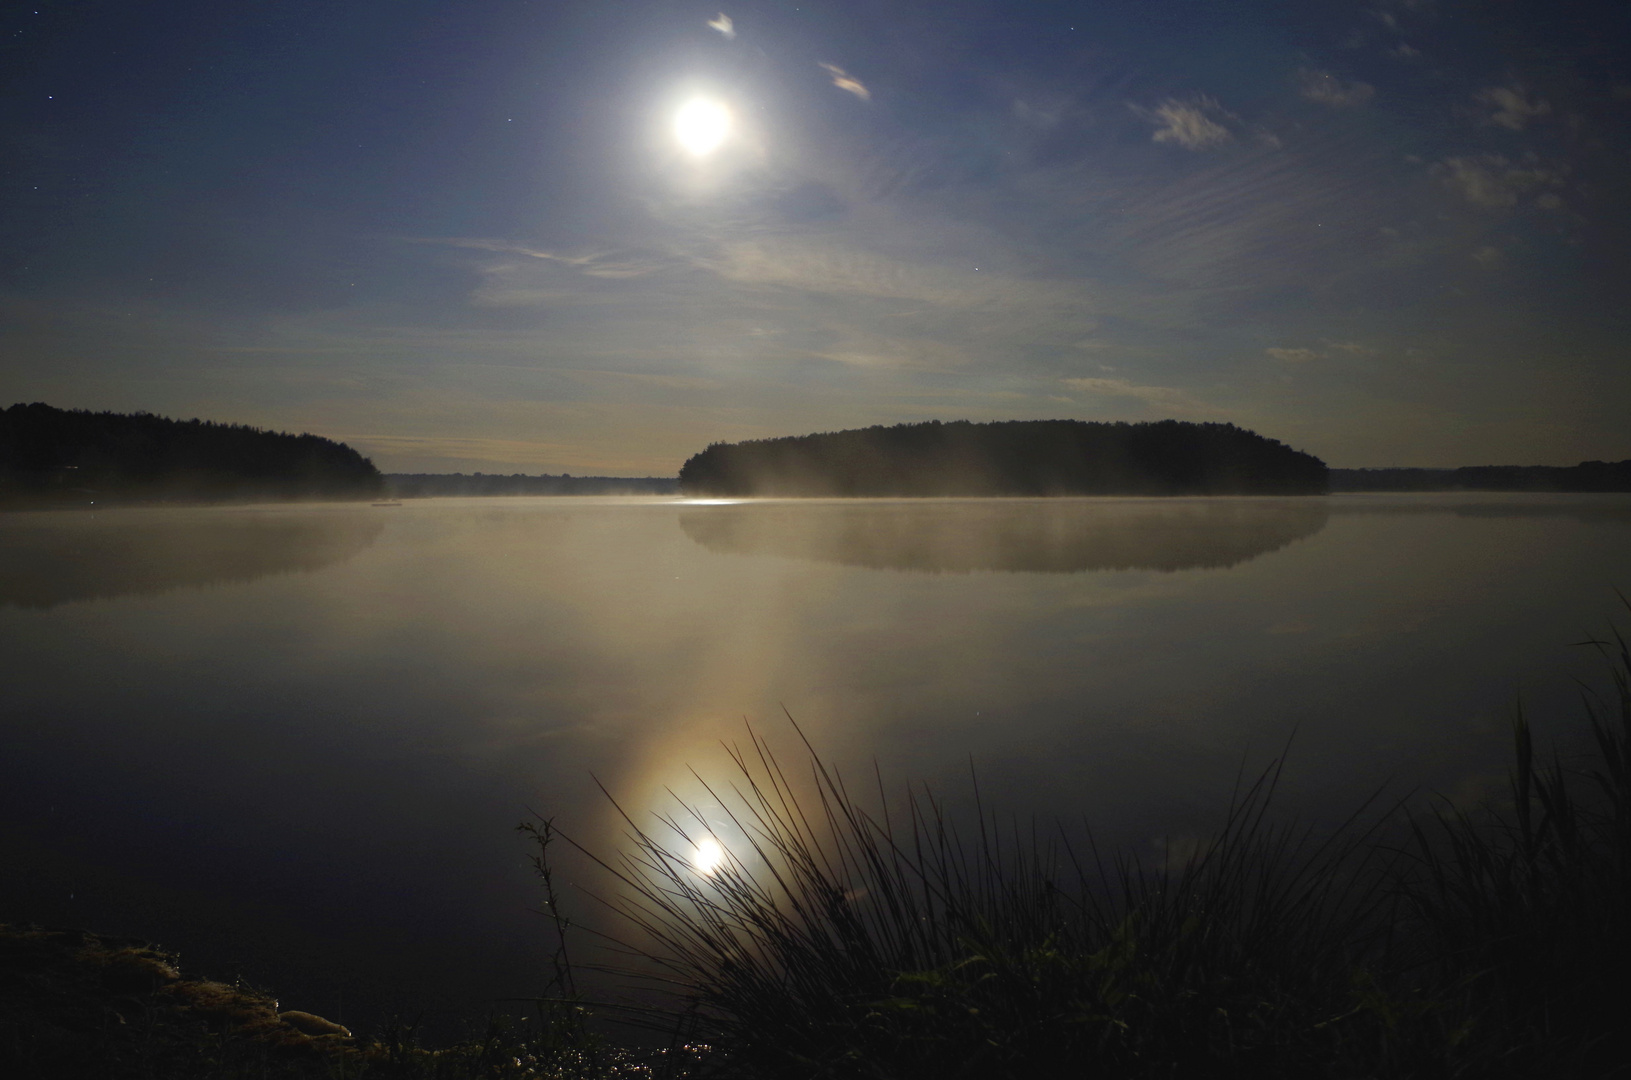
(1019, 457)
(1585, 477)
(424, 485)
(52, 457)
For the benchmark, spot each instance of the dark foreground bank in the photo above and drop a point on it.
(75, 1004)
(1423, 940)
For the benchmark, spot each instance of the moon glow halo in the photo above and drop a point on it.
(701, 126)
(709, 855)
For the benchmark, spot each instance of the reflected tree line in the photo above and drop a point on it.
(1041, 536)
(52, 559)
(1065, 535)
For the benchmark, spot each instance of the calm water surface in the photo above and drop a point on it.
(294, 742)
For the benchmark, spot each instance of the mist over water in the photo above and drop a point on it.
(47, 559)
(296, 740)
(1060, 536)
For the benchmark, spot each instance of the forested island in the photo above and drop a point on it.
(1588, 476)
(53, 457)
(1018, 457)
(73, 457)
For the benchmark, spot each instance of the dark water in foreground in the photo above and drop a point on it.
(295, 741)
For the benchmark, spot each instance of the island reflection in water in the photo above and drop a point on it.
(47, 559)
(1058, 536)
(317, 726)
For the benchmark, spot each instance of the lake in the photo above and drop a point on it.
(294, 741)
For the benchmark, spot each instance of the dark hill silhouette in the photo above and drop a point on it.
(61, 457)
(51, 559)
(1020, 457)
(1034, 536)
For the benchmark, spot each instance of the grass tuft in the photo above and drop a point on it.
(839, 939)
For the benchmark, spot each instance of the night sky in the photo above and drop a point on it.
(467, 234)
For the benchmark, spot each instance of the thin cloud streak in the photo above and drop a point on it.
(1511, 106)
(1493, 182)
(1160, 396)
(614, 263)
(826, 267)
(1326, 89)
(845, 81)
(1189, 124)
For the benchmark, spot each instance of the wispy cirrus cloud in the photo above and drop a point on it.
(1293, 355)
(1165, 397)
(845, 81)
(614, 263)
(1192, 124)
(838, 268)
(1326, 89)
(1512, 107)
(1495, 182)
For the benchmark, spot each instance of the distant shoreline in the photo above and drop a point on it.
(1584, 478)
(430, 485)
(589, 486)
(54, 458)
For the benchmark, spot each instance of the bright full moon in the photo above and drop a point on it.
(709, 855)
(701, 125)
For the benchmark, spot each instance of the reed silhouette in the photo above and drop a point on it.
(838, 937)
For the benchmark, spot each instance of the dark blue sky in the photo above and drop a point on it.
(463, 235)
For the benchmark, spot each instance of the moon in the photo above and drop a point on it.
(709, 855)
(702, 126)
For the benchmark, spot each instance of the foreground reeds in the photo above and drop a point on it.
(834, 940)
(1521, 914)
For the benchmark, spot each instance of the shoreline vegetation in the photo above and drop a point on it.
(1586, 477)
(67, 458)
(58, 458)
(437, 485)
(834, 938)
(838, 937)
(1008, 458)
